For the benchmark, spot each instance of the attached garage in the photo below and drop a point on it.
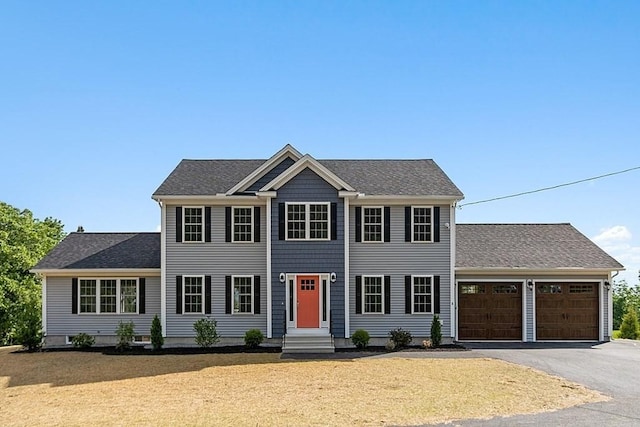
(531, 282)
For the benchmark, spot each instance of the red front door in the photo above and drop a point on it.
(308, 292)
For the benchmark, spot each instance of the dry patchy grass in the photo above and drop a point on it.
(74, 388)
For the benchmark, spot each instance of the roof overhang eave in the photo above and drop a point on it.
(96, 271)
(536, 270)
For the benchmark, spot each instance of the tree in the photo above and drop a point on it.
(630, 328)
(624, 296)
(24, 240)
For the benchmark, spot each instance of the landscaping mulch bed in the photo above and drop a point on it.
(382, 349)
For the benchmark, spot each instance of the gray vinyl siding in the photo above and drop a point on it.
(528, 315)
(308, 256)
(216, 259)
(398, 259)
(272, 174)
(60, 320)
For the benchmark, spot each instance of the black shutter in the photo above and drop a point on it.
(281, 222)
(256, 224)
(74, 295)
(227, 224)
(256, 294)
(407, 294)
(358, 294)
(178, 223)
(178, 294)
(334, 221)
(436, 224)
(387, 224)
(436, 294)
(142, 297)
(358, 224)
(207, 224)
(407, 223)
(387, 294)
(227, 294)
(207, 294)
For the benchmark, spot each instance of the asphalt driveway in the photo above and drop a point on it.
(612, 368)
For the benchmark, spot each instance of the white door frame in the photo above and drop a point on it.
(325, 285)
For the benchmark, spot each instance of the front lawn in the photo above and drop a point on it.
(80, 388)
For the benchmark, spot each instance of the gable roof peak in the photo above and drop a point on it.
(308, 162)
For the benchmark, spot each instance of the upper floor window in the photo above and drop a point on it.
(243, 224)
(102, 296)
(307, 221)
(193, 219)
(372, 223)
(422, 223)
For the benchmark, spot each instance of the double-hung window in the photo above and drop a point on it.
(422, 223)
(422, 294)
(108, 296)
(193, 220)
(372, 223)
(243, 224)
(373, 294)
(308, 221)
(193, 294)
(242, 295)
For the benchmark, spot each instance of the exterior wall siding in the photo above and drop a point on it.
(397, 259)
(217, 259)
(272, 174)
(60, 320)
(307, 256)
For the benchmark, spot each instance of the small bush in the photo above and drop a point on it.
(360, 338)
(253, 338)
(390, 346)
(126, 334)
(436, 331)
(630, 328)
(157, 340)
(427, 344)
(206, 332)
(83, 340)
(400, 337)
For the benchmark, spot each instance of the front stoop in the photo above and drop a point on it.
(308, 344)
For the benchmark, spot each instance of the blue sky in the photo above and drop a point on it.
(99, 101)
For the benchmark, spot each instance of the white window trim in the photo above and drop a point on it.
(307, 219)
(118, 294)
(413, 229)
(184, 295)
(233, 223)
(233, 287)
(202, 223)
(382, 311)
(382, 230)
(413, 288)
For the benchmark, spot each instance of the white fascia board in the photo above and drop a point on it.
(99, 272)
(363, 199)
(533, 271)
(307, 162)
(218, 199)
(286, 151)
(345, 194)
(267, 194)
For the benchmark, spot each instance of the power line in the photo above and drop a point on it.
(549, 188)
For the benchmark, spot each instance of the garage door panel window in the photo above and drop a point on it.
(549, 289)
(472, 289)
(505, 289)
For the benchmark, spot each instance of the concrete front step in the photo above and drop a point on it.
(308, 344)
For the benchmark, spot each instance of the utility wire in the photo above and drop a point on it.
(549, 188)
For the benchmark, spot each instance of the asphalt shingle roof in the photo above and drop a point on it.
(104, 250)
(534, 246)
(372, 177)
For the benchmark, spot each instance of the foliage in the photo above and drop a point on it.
(390, 346)
(253, 338)
(157, 340)
(436, 331)
(24, 240)
(206, 332)
(630, 329)
(400, 337)
(126, 334)
(28, 329)
(360, 338)
(83, 340)
(623, 296)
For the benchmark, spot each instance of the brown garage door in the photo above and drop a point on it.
(489, 311)
(567, 311)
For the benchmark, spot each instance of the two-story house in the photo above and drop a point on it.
(308, 251)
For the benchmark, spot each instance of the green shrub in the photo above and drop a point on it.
(29, 333)
(157, 340)
(360, 338)
(630, 329)
(206, 332)
(436, 331)
(400, 337)
(126, 333)
(83, 340)
(253, 338)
